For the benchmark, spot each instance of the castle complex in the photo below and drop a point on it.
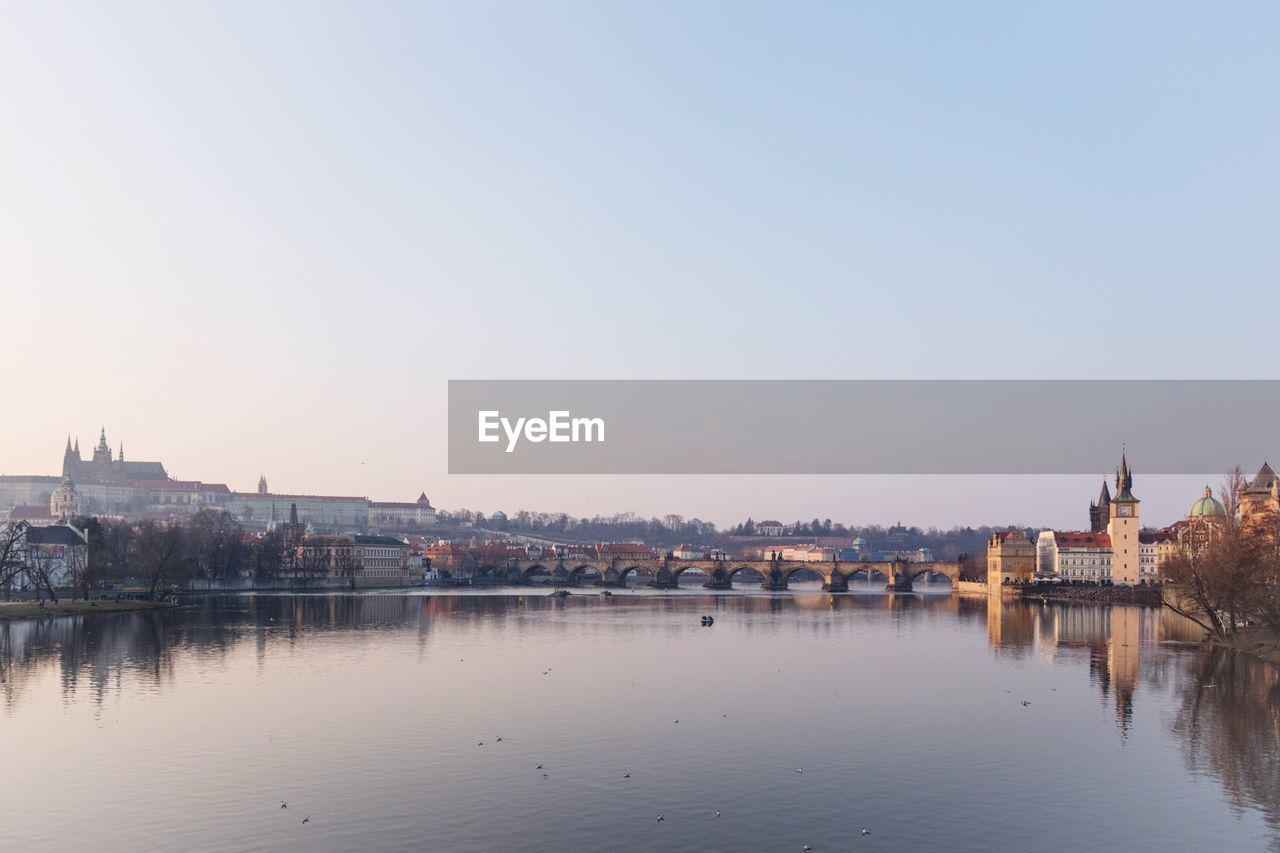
(108, 484)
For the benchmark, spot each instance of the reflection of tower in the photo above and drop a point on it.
(1122, 660)
(1010, 625)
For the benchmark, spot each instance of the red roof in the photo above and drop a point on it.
(272, 496)
(1082, 540)
(624, 548)
(181, 486)
(19, 512)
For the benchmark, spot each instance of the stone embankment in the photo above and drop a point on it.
(1144, 596)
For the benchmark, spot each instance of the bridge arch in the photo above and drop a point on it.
(678, 569)
(731, 573)
(822, 570)
(529, 571)
(585, 570)
(640, 571)
(865, 573)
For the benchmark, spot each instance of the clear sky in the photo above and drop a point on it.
(259, 238)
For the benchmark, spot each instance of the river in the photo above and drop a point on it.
(933, 721)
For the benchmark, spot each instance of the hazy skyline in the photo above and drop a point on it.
(258, 240)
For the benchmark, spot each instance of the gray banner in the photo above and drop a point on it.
(859, 426)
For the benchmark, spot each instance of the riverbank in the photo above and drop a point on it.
(32, 609)
(1140, 596)
(1258, 642)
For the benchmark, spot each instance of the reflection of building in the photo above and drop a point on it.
(1123, 644)
(1010, 625)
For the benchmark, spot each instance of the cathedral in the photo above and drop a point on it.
(104, 468)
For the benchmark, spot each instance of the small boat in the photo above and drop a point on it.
(604, 593)
(560, 593)
(707, 621)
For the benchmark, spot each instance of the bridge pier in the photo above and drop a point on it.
(836, 582)
(899, 577)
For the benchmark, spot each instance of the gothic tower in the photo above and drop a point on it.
(1123, 528)
(1100, 512)
(69, 459)
(102, 453)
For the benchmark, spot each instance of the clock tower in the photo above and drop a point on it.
(1123, 528)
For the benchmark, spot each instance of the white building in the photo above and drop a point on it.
(770, 528)
(382, 557)
(59, 550)
(418, 513)
(1083, 557)
(329, 511)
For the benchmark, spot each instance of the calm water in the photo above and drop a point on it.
(184, 730)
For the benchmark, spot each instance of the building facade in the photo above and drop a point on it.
(1011, 557)
(402, 514)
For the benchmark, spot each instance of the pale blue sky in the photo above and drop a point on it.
(260, 237)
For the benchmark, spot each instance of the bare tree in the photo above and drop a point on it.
(1231, 579)
(216, 543)
(13, 556)
(159, 555)
(42, 570)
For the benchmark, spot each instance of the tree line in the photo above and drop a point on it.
(1233, 581)
(210, 545)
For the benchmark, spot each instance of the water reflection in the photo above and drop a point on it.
(1217, 713)
(1228, 724)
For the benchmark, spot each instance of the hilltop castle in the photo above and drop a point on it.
(104, 468)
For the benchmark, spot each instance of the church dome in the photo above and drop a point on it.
(1207, 507)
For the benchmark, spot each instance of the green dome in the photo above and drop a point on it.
(1207, 506)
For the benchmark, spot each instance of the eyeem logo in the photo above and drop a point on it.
(558, 426)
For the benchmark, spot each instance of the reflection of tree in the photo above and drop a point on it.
(1229, 726)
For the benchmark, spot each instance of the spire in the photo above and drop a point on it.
(1124, 482)
(68, 442)
(262, 484)
(121, 451)
(1104, 497)
(77, 447)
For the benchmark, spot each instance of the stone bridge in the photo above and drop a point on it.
(718, 574)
